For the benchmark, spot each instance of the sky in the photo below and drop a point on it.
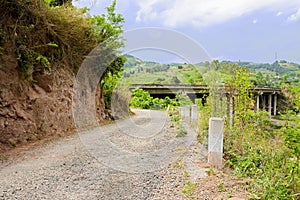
(245, 30)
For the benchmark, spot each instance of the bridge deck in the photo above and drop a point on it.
(177, 88)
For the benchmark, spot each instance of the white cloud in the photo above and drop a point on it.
(279, 13)
(254, 21)
(295, 16)
(199, 13)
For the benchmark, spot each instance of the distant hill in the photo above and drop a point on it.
(139, 71)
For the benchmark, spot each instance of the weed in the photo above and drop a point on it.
(181, 132)
(186, 174)
(211, 171)
(188, 189)
(221, 186)
(178, 165)
(175, 118)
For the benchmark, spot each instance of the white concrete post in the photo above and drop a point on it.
(275, 105)
(215, 142)
(264, 102)
(187, 113)
(194, 116)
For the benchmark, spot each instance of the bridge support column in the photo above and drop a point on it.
(270, 104)
(257, 102)
(275, 105)
(263, 102)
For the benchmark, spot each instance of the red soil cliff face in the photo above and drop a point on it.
(32, 111)
(41, 50)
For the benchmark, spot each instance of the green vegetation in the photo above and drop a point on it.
(45, 35)
(181, 132)
(41, 36)
(138, 71)
(142, 99)
(188, 190)
(254, 146)
(261, 74)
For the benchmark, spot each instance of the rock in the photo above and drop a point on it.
(21, 114)
(2, 123)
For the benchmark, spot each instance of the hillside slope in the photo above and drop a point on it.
(138, 71)
(41, 49)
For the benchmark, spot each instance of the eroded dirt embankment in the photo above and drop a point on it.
(33, 111)
(41, 50)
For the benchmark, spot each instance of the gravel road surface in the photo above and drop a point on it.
(137, 158)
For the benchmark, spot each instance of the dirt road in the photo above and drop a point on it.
(137, 158)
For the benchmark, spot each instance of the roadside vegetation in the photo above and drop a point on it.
(142, 99)
(256, 147)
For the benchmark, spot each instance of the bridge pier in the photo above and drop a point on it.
(257, 103)
(268, 103)
(275, 105)
(264, 101)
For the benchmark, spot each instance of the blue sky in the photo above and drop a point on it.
(246, 30)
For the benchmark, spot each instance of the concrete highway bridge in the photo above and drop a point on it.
(266, 97)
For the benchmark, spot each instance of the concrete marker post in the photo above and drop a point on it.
(194, 116)
(187, 113)
(215, 142)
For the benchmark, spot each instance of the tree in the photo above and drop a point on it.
(108, 28)
(141, 99)
(239, 90)
(175, 80)
(260, 79)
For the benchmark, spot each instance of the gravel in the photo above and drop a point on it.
(69, 169)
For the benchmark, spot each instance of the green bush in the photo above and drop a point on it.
(142, 99)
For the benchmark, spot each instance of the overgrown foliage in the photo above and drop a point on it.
(41, 36)
(254, 146)
(111, 78)
(142, 99)
(45, 34)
